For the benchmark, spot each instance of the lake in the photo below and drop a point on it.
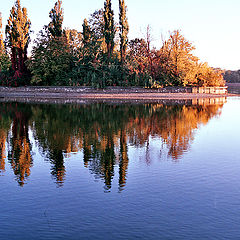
(162, 170)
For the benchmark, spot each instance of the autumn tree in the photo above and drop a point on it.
(18, 38)
(176, 54)
(124, 29)
(207, 76)
(138, 61)
(109, 27)
(74, 40)
(20, 148)
(138, 54)
(1, 35)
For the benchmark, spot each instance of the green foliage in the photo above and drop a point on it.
(5, 69)
(53, 55)
(2, 47)
(109, 27)
(124, 29)
(97, 24)
(5, 62)
(56, 15)
(51, 61)
(95, 58)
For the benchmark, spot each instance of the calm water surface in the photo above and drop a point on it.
(120, 171)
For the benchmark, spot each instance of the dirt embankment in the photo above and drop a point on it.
(130, 93)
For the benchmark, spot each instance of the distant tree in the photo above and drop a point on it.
(124, 29)
(18, 38)
(232, 76)
(109, 27)
(56, 15)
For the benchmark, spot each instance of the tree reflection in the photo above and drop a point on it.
(5, 124)
(19, 152)
(3, 137)
(103, 133)
(123, 157)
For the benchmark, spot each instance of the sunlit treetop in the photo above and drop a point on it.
(1, 34)
(124, 29)
(56, 15)
(109, 28)
(18, 27)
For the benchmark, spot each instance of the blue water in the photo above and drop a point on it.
(110, 171)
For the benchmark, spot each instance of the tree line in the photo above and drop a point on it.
(100, 55)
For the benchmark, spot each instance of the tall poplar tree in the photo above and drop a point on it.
(18, 37)
(1, 35)
(86, 32)
(124, 29)
(109, 28)
(56, 15)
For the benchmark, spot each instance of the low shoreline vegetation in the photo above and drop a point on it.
(100, 55)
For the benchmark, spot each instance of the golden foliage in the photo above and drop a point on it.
(1, 35)
(18, 27)
(3, 136)
(176, 64)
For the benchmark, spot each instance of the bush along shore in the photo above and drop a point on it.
(99, 55)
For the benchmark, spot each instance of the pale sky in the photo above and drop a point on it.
(213, 26)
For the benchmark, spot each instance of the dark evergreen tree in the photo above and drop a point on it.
(124, 29)
(109, 28)
(86, 32)
(56, 15)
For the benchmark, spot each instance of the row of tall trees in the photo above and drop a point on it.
(101, 54)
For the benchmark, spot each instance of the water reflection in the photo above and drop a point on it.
(102, 132)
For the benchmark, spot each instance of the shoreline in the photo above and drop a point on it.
(109, 93)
